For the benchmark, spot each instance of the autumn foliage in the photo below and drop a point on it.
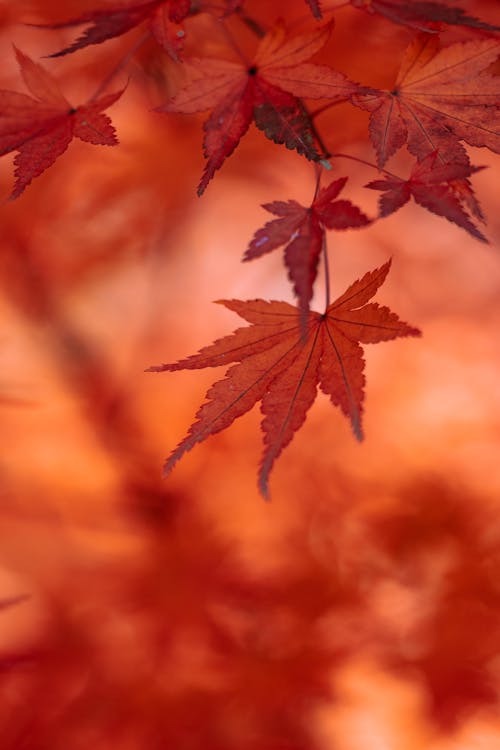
(325, 171)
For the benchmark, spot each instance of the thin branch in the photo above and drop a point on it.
(324, 11)
(322, 109)
(327, 272)
(318, 180)
(257, 29)
(232, 43)
(251, 23)
(121, 65)
(367, 163)
(326, 154)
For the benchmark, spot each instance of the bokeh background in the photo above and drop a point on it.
(359, 610)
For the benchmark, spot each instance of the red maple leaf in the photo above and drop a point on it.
(40, 129)
(441, 96)
(302, 230)
(265, 90)
(281, 368)
(421, 14)
(436, 186)
(165, 21)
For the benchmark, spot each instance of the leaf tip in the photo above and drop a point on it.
(264, 487)
(169, 465)
(356, 428)
(414, 332)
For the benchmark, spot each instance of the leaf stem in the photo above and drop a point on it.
(251, 24)
(232, 43)
(324, 11)
(322, 109)
(317, 169)
(327, 271)
(364, 161)
(258, 30)
(326, 154)
(119, 67)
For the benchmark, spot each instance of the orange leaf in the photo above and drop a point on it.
(440, 98)
(281, 368)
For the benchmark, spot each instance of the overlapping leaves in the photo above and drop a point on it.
(267, 90)
(302, 231)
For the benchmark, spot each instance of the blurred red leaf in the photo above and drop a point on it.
(164, 16)
(165, 21)
(281, 368)
(40, 129)
(421, 14)
(12, 601)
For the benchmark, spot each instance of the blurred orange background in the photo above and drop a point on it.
(359, 610)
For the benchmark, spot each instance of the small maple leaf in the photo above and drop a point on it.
(267, 91)
(439, 187)
(165, 19)
(40, 129)
(281, 368)
(302, 230)
(441, 96)
(421, 14)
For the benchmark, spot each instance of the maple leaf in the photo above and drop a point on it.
(267, 90)
(281, 368)
(421, 14)
(441, 96)
(40, 129)
(436, 186)
(164, 16)
(302, 231)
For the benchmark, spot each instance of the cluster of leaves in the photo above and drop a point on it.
(444, 96)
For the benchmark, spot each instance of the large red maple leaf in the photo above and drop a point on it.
(441, 97)
(266, 90)
(440, 188)
(422, 15)
(164, 17)
(281, 368)
(302, 230)
(41, 128)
